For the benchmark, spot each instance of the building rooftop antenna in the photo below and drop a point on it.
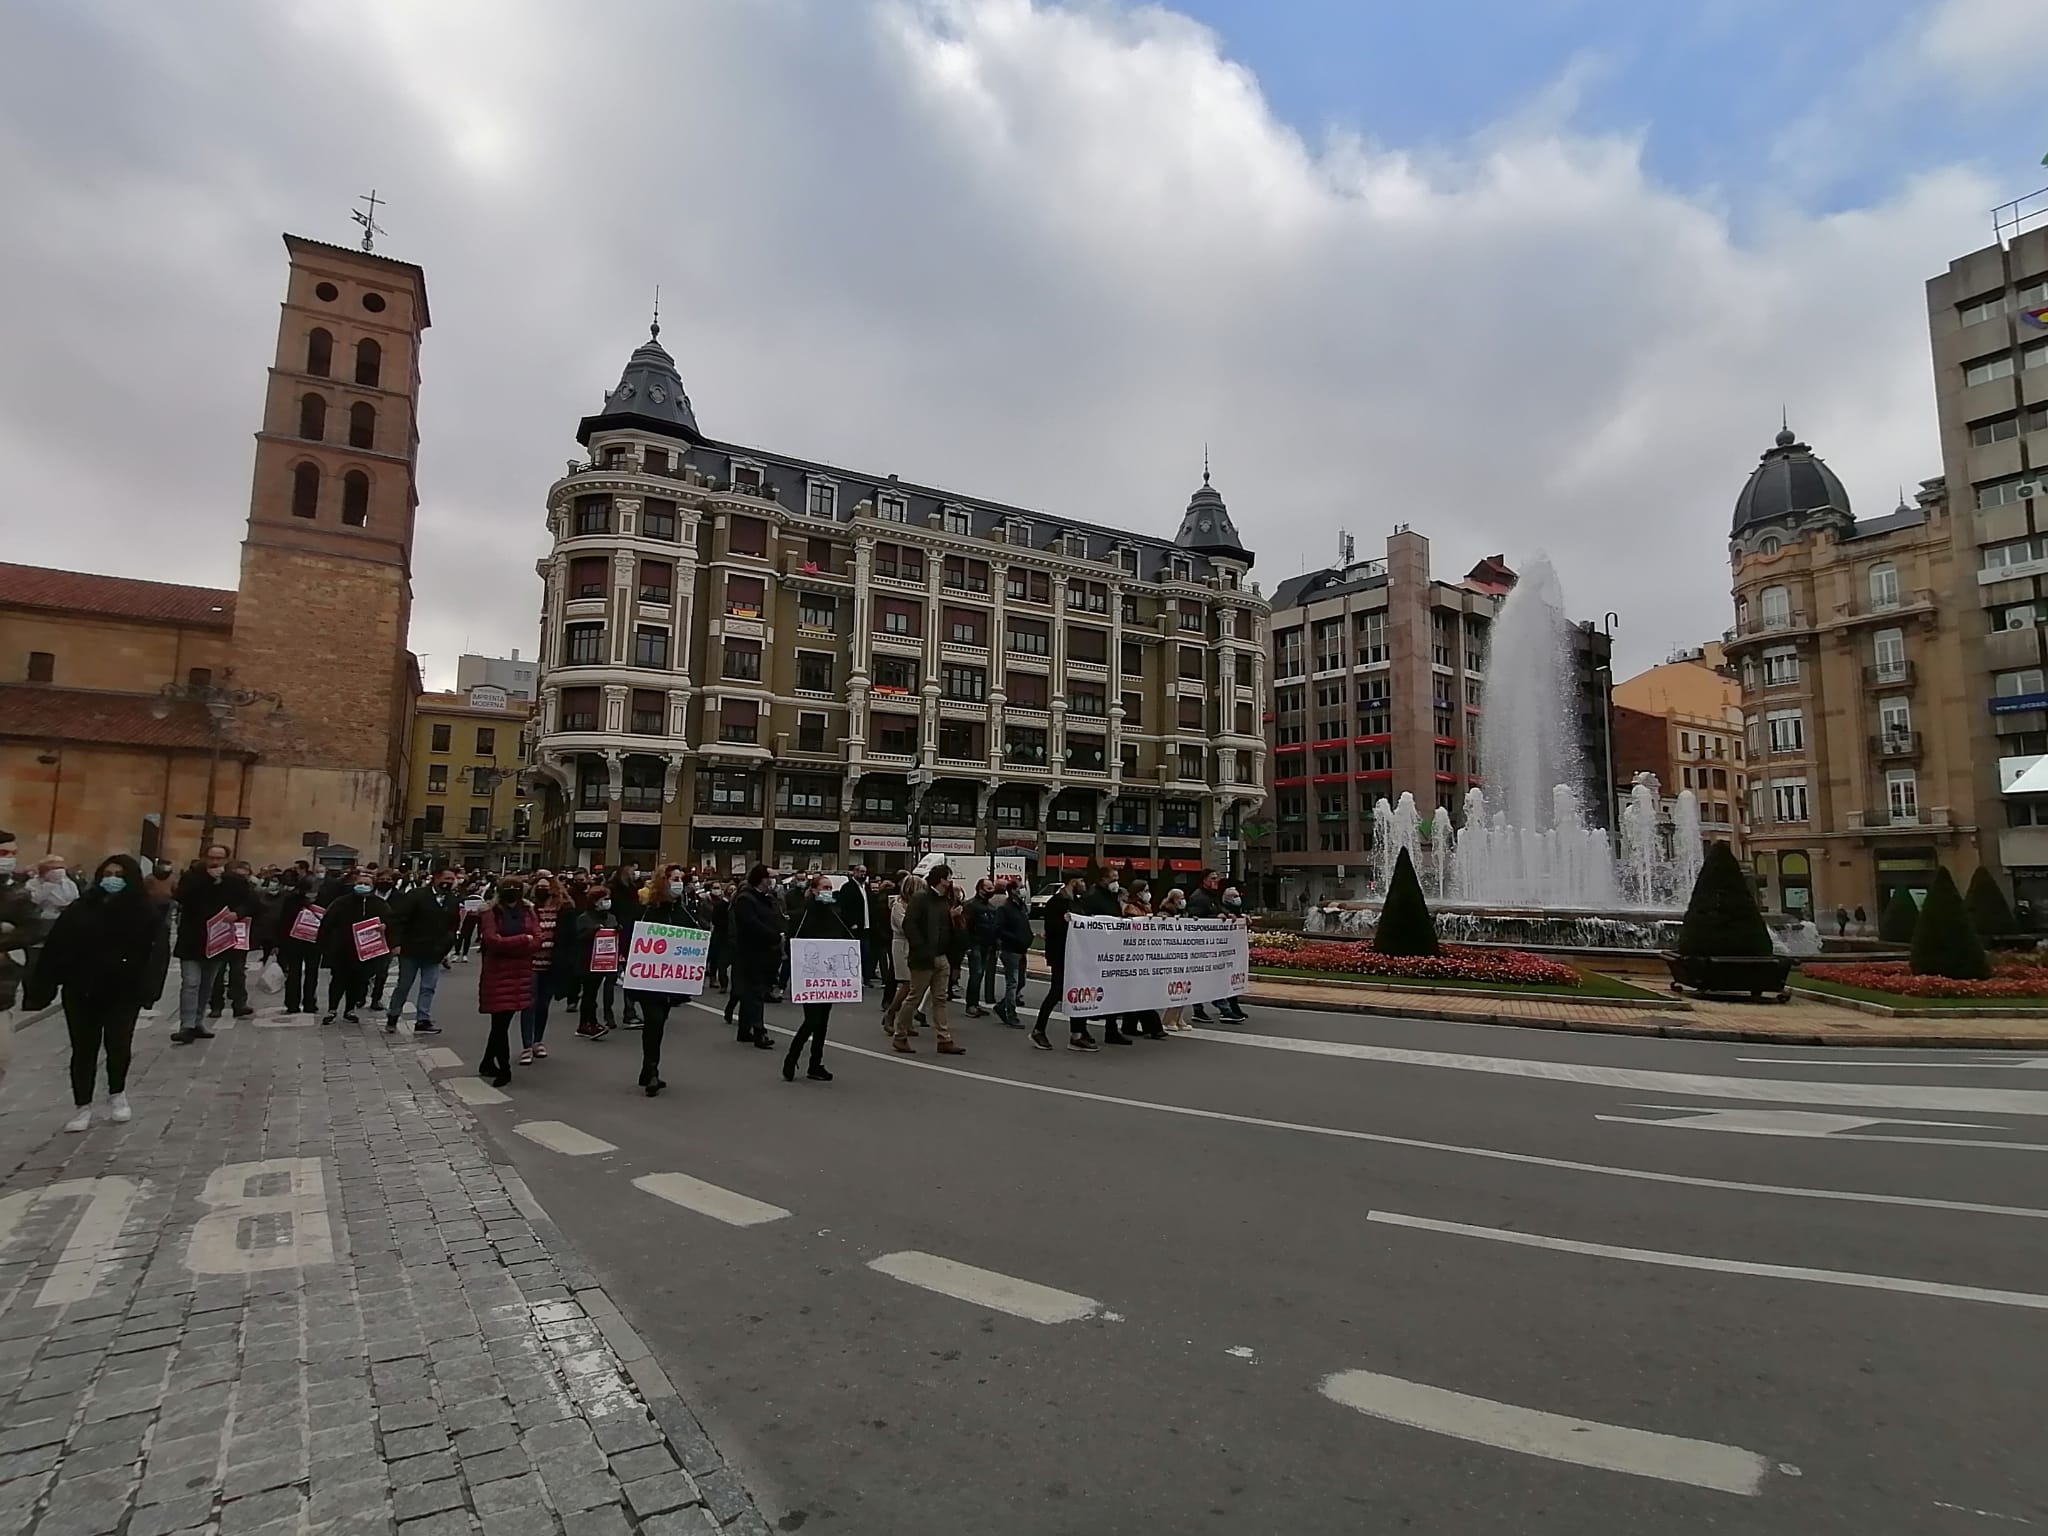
(367, 217)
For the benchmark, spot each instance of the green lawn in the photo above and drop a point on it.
(1591, 985)
(1902, 1000)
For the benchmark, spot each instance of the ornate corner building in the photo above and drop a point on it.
(747, 657)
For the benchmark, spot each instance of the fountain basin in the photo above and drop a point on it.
(1543, 928)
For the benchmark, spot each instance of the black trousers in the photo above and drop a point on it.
(653, 1025)
(1055, 989)
(301, 963)
(752, 985)
(871, 954)
(816, 1017)
(346, 985)
(497, 1060)
(231, 983)
(93, 1025)
(599, 986)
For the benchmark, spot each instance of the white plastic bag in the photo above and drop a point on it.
(271, 977)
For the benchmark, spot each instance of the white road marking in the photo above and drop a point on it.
(251, 1227)
(565, 1139)
(1581, 1442)
(76, 1273)
(1496, 1154)
(726, 1205)
(1697, 1085)
(1883, 1058)
(1815, 1124)
(985, 1288)
(1895, 1283)
(474, 1090)
(433, 1056)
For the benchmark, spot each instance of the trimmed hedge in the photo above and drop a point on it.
(1988, 912)
(1944, 943)
(1405, 926)
(1721, 919)
(1900, 917)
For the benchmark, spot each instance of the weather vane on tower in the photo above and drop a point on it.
(367, 217)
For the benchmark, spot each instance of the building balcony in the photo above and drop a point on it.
(1889, 674)
(1079, 668)
(898, 645)
(1027, 713)
(817, 632)
(879, 759)
(974, 765)
(801, 573)
(1759, 630)
(1927, 818)
(899, 583)
(961, 650)
(1896, 746)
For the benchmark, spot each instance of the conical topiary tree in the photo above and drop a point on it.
(1988, 912)
(1900, 917)
(1721, 918)
(1405, 926)
(1944, 943)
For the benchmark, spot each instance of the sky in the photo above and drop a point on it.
(1522, 274)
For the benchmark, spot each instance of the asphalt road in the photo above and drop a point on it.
(1330, 1274)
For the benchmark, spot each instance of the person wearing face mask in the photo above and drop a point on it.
(348, 974)
(505, 980)
(1231, 1009)
(423, 927)
(1105, 899)
(1063, 904)
(389, 887)
(206, 890)
(300, 958)
(106, 956)
(598, 973)
(661, 901)
(1013, 936)
(553, 956)
(231, 982)
(758, 928)
(928, 934)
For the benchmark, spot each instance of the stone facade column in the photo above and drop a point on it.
(625, 565)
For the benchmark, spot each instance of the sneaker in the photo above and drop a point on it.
(1201, 1017)
(325, 1018)
(977, 1013)
(186, 1037)
(353, 1017)
(540, 1052)
(390, 1026)
(819, 1075)
(526, 1058)
(426, 1027)
(243, 1013)
(1082, 1043)
(118, 1109)
(1039, 1042)
(82, 1121)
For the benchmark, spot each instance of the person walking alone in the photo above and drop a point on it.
(928, 939)
(508, 936)
(424, 923)
(107, 954)
(758, 931)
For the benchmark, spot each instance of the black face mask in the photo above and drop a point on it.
(510, 894)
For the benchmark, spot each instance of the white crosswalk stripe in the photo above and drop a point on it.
(565, 1139)
(726, 1205)
(986, 1288)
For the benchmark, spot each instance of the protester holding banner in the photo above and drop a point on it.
(1173, 904)
(231, 982)
(600, 949)
(505, 980)
(1104, 899)
(353, 938)
(298, 918)
(758, 928)
(1134, 966)
(209, 901)
(1057, 912)
(107, 956)
(423, 928)
(816, 986)
(664, 905)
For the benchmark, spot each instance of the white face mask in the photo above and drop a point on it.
(677, 888)
(999, 898)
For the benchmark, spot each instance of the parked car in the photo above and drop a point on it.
(1050, 889)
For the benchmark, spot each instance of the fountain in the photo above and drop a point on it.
(1525, 867)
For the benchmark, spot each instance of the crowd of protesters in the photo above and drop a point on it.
(103, 943)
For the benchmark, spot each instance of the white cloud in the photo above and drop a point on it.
(1031, 254)
(1981, 45)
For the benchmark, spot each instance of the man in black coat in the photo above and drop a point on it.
(422, 925)
(856, 908)
(758, 929)
(1105, 899)
(206, 891)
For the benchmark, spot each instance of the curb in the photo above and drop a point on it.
(1641, 1004)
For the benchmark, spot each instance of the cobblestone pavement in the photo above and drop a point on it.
(295, 1295)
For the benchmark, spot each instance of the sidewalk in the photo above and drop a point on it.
(295, 1296)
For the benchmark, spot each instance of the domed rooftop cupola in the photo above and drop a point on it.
(1789, 484)
(649, 396)
(1206, 528)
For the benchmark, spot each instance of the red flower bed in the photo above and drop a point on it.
(1508, 966)
(1896, 976)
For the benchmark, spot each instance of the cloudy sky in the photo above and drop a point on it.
(1523, 273)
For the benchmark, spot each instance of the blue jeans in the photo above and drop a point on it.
(195, 986)
(1013, 983)
(428, 973)
(533, 1022)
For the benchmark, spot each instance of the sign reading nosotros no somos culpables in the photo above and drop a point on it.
(1122, 965)
(664, 958)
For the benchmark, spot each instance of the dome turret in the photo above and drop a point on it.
(1206, 528)
(1789, 483)
(649, 396)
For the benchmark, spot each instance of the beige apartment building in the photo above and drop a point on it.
(1987, 320)
(1856, 689)
(748, 657)
(1693, 706)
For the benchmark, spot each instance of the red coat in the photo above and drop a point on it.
(505, 982)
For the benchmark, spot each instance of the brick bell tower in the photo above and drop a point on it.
(325, 599)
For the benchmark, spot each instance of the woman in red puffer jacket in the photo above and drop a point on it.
(505, 981)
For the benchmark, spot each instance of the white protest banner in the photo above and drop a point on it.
(242, 931)
(824, 970)
(666, 958)
(1124, 965)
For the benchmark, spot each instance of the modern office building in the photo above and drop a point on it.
(1858, 693)
(517, 679)
(1987, 321)
(748, 656)
(1378, 688)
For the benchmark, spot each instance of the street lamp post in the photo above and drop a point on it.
(1610, 623)
(222, 703)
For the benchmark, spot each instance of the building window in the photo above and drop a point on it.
(658, 519)
(1191, 763)
(657, 578)
(437, 778)
(1781, 667)
(1372, 637)
(588, 575)
(593, 514)
(1087, 753)
(1024, 745)
(362, 425)
(814, 671)
(441, 736)
(305, 491)
(1134, 711)
(1028, 637)
(1132, 662)
(1884, 586)
(896, 734)
(742, 661)
(747, 536)
(355, 499)
(1788, 799)
(319, 352)
(1894, 723)
(739, 721)
(579, 710)
(963, 626)
(650, 647)
(895, 674)
(2005, 492)
(892, 509)
(369, 362)
(1076, 546)
(582, 645)
(433, 820)
(968, 683)
(1888, 654)
(960, 740)
(1902, 795)
(1085, 643)
(486, 741)
(1088, 596)
(646, 713)
(1190, 663)
(958, 521)
(199, 677)
(815, 612)
(313, 418)
(1985, 369)
(1786, 729)
(1775, 604)
(2018, 685)
(1999, 428)
(1086, 699)
(1181, 569)
(1189, 715)
(479, 820)
(810, 733)
(824, 500)
(1026, 690)
(744, 596)
(1191, 615)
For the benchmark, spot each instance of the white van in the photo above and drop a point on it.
(969, 867)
